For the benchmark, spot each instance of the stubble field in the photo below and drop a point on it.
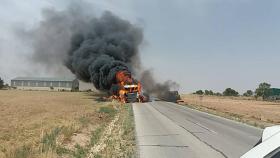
(244, 109)
(59, 124)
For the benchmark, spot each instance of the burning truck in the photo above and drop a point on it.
(104, 51)
(126, 89)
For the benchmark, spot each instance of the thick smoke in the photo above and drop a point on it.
(51, 40)
(166, 91)
(93, 48)
(106, 47)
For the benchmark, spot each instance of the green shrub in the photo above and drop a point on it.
(80, 152)
(23, 152)
(96, 135)
(49, 140)
(108, 110)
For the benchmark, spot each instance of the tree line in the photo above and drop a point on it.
(263, 90)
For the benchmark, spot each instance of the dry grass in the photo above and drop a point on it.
(35, 121)
(258, 113)
(121, 141)
(40, 124)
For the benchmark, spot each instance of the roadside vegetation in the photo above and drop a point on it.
(260, 108)
(38, 124)
(120, 141)
(263, 91)
(248, 93)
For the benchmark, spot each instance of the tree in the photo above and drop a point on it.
(209, 92)
(248, 93)
(218, 94)
(230, 92)
(1, 83)
(200, 92)
(263, 90)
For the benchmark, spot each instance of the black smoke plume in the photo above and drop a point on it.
(106, 47)
(93, 48)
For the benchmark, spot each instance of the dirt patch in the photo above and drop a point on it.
(248, 110)
(81, 138)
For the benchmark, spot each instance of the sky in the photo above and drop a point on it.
(201, 44)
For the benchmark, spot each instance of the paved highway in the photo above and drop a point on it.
(169, 130)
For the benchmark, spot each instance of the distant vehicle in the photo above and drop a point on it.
(268, 146)
(170, 96)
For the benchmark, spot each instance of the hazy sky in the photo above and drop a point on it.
(201, 44)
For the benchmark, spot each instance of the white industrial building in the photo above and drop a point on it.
(36, 83)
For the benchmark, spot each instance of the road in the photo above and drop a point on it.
(170, 130)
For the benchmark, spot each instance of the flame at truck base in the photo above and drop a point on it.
(126, 88)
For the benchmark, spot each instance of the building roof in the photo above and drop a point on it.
(68, 79)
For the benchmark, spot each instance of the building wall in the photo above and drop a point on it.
(43, 85)
(84, 86)
(44, 88)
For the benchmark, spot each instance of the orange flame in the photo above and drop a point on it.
(123, 77)
(127, 85)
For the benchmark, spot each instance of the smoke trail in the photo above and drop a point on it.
(163, 91)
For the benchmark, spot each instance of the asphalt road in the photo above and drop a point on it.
(169, 130)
